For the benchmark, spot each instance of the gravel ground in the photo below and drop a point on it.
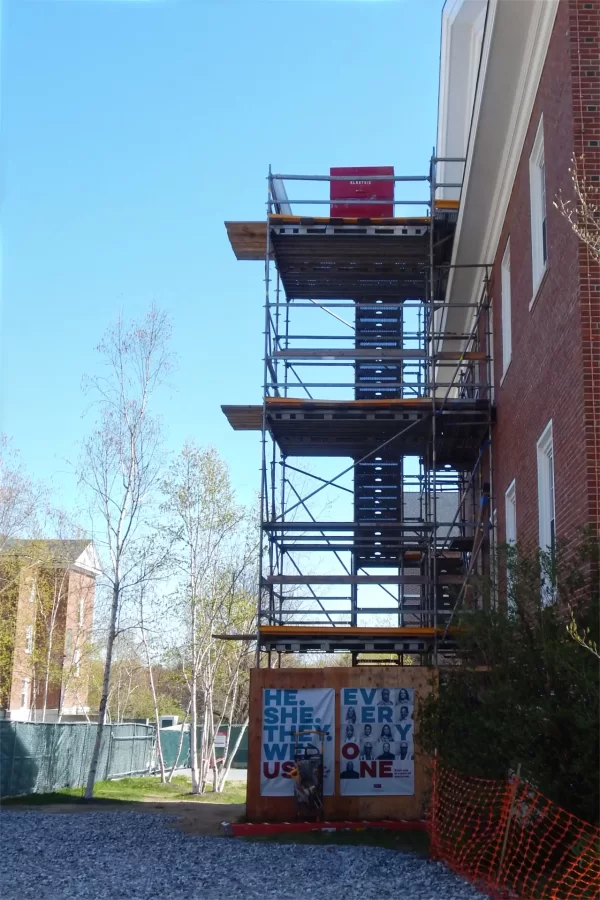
(53, 856)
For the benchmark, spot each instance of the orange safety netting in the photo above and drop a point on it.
(510, 840)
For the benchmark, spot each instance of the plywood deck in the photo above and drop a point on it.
(356, 428)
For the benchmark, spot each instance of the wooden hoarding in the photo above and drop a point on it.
(279, 809)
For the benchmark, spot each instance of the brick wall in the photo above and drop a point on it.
(81, 587)
(545, 379)
(73, 586)
(584, 30)
(22, 662)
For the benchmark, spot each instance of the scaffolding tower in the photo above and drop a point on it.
(363, 361)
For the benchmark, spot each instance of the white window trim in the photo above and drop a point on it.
(537, 196)
(29, 639)
(545, 451)
(506, 309)
(510, 502)
(25, 692)
(81, 612)
(76, 663)
(546, 495)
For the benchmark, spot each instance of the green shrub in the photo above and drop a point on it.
(528, 692)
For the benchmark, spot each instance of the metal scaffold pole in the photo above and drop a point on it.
(434, 349)
(263, 478)
(401, 381)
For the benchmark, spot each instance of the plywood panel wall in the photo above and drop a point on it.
(282, 809)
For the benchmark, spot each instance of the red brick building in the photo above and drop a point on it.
(46, 609)
(520, 100)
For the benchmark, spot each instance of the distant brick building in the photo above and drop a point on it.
(520, 98)
(46, 610)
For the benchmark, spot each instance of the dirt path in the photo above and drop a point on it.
(193, 818)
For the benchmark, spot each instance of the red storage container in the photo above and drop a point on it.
(362, 187)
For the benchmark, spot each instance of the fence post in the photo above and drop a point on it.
(133, 748)
(83, 755)
(511, 811)
(109, 751)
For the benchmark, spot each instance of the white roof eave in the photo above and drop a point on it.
(514, 49)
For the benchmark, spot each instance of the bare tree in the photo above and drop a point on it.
(146, 643)
(212, 557)
(121, 464)
(583, 212)
(21, 501)
(21, 497)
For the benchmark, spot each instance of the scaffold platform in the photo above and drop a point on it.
(359, 365)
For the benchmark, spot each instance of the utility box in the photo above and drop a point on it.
(363, 187)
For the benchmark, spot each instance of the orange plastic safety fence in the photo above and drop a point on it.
(510, 840)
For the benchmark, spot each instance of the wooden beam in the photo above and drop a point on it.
(236, 637)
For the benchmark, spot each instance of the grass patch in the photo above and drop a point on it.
(136, 790)
(416, 842)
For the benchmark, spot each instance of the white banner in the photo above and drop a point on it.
(284, 714)
(376, 741)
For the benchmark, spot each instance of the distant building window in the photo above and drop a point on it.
(510, 509)
(29, 639)
(506, 310)
(537, 188)
(81, 612)
(32, 591)
(546, 503)
(25, 693)
(68, 642)
(77, 663)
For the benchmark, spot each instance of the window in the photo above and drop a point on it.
(81, 612)
(506, 310)
(25, 693)
(68, 642)
(32, 592)
(537, 189)
(77, 663)
(546, 506)
(29, 639)
(510, 510)
(510, 501)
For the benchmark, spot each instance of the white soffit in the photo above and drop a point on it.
(462, 32)
(514, 51)
(88, 561)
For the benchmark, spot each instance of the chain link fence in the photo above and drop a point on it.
(40, 758)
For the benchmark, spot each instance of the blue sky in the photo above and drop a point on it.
(130, 132)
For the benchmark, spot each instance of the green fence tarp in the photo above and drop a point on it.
(39, 758)
(169, 741)
(240, 760)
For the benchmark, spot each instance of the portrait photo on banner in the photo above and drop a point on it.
(376, 741)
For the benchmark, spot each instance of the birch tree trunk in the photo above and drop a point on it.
(180, 745)
(229, 760)
(121, 467)
(89, 789)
